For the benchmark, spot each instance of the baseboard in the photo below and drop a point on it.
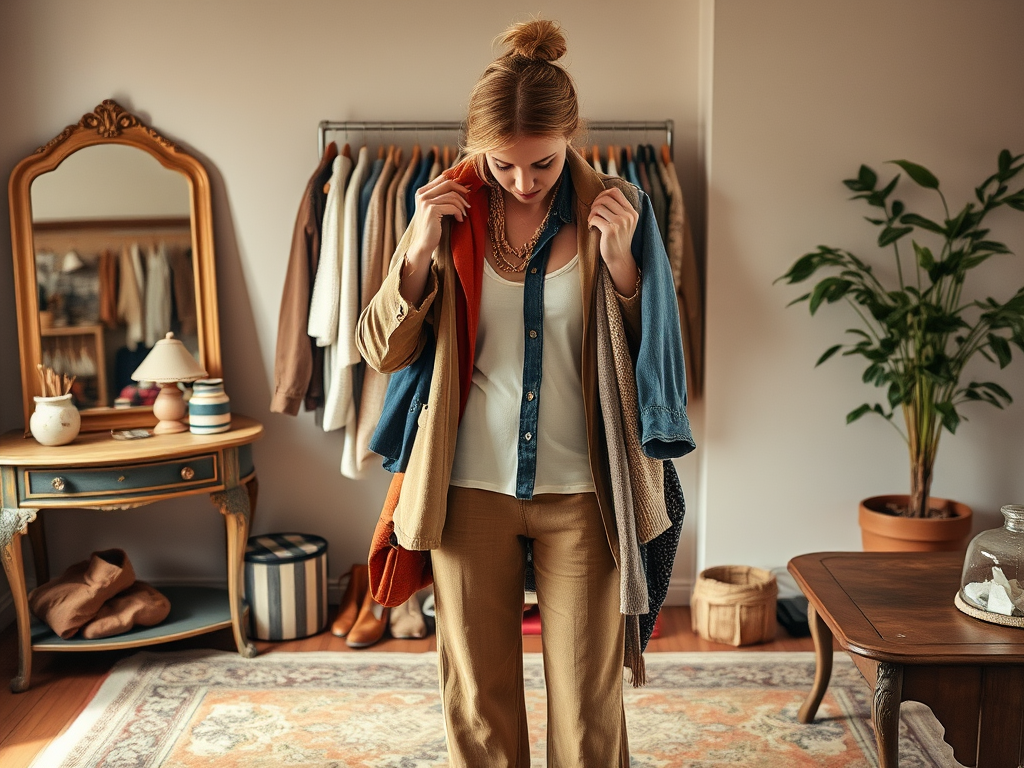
(679, 591)
(333, 587)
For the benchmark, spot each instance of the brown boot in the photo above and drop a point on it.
(139, 604)
(72, 600)
(348, 611)
(370, 624)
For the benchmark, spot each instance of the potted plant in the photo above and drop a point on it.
(918, 332)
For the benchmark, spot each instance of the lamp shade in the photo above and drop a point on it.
(167, 362)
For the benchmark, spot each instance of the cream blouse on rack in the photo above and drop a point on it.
(485, 453)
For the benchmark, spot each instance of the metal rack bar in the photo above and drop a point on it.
(325, 126)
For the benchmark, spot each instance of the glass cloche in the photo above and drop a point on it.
(992, 582)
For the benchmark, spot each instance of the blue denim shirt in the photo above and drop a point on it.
(660, 372)
(533, 330)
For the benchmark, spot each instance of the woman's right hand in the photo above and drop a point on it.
(434, 200)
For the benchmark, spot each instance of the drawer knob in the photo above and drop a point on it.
(187, 473)
(58, 483)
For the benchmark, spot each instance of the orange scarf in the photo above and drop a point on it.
(468, 245)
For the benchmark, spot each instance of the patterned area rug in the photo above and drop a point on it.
(381, 710)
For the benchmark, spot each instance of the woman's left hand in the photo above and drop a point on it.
(616, 219)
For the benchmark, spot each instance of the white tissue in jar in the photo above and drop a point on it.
(997, 595)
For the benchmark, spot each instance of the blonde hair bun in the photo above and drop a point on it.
(540, 40)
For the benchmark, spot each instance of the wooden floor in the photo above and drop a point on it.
(63, 683)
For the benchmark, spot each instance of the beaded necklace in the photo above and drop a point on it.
(503, 251)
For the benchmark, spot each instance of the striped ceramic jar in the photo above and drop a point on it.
(209, 409)
(286, 585)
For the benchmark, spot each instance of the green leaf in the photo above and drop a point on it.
(992, 246)
(918, 173)
(915, 220)
(988, 392)
(1015, 201)
(890, 235)
(897, 209)
(1000, 348)
(831, 289)
(997, 390)
(867, 177)
(875, 374)
(828, 353)
(950, 418)
(856, 413)
(798, 299)
(878, 197)
(895, 395)
(924, 256)
(1005, 161)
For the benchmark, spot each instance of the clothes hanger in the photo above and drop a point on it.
(666, 155)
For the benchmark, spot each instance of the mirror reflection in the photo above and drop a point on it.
(112, 236)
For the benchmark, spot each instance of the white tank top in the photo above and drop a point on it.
(486, 450)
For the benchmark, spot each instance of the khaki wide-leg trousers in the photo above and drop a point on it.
(478, 592)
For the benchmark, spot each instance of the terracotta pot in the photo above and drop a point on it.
(881, 532)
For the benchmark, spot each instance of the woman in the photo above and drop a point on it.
(488, 314)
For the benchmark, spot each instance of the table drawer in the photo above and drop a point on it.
(113, 482)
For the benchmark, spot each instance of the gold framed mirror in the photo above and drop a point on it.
(112, 235)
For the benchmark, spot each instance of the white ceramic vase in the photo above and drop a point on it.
(55, 421)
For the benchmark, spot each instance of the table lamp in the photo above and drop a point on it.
(167, 364)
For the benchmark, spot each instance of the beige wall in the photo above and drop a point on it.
(804, 92)
(801, 93)
(244, 84)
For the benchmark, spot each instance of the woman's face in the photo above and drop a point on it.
(529, 168)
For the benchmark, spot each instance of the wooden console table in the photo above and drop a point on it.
(99, 472)
(893, 612)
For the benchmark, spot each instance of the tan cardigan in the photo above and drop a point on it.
(389, 336)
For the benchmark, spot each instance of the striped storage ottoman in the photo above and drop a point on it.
(286, 585)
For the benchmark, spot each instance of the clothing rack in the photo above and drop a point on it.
(668, 126)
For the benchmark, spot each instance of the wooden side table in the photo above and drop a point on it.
(99, 472)
(893, 613)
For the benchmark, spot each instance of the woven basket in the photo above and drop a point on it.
(734, 604)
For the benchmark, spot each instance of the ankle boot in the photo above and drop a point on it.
(348, 611)
(407, 620)
(370, 624)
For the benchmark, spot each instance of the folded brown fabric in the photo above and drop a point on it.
(72, 600)
(139, 604)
